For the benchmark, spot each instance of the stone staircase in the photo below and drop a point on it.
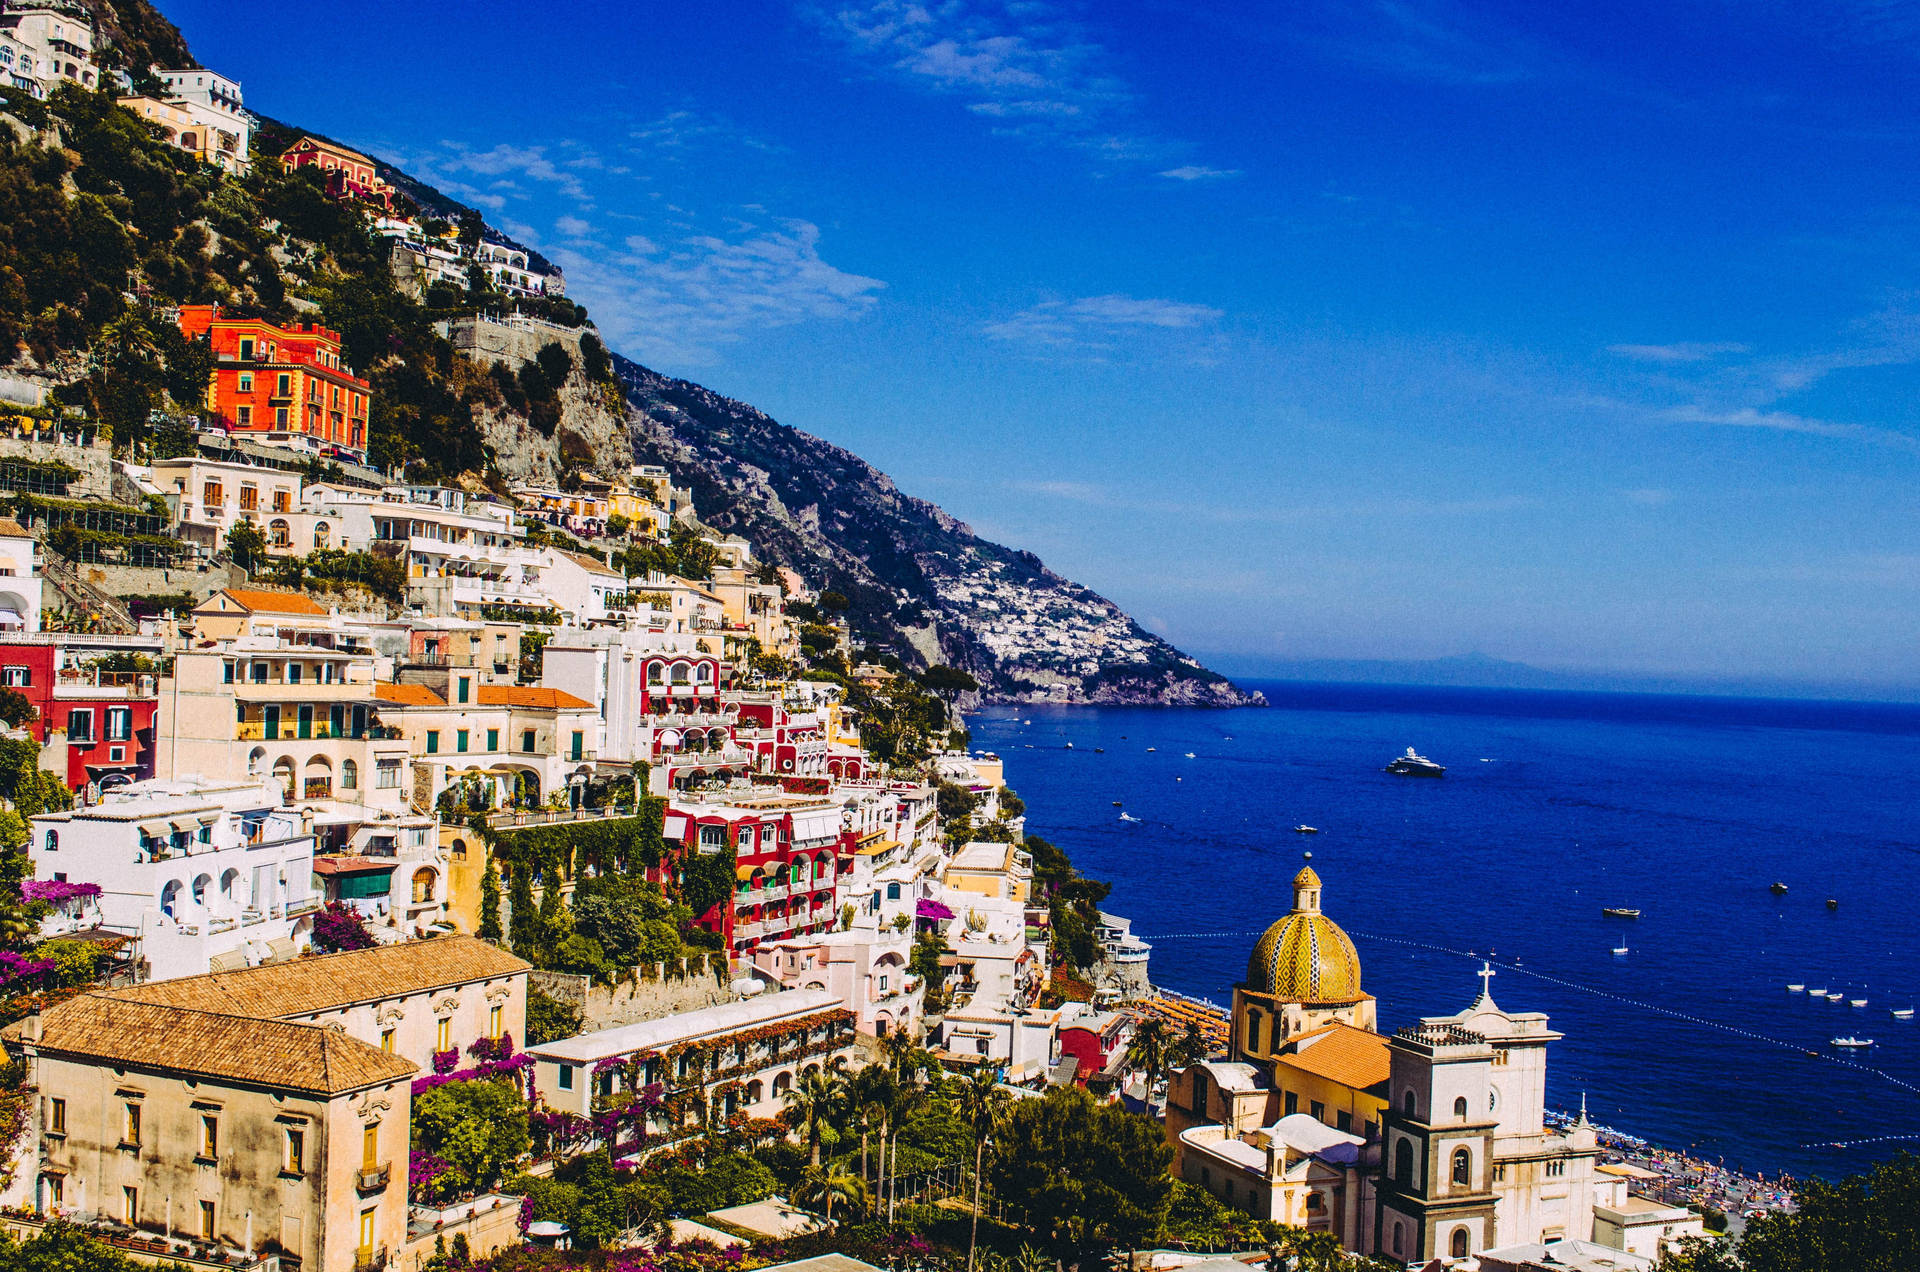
(80, 596)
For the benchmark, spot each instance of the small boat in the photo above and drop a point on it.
(1619, 949)
(1832, 904)
(1835, 996)
(1796, 989)
(1817, 993)
(1777, 888)
(1189, 754)
(1116, 803)
(1128, 817)
(1858, 1002)
(1619, 912)
(1411, 765)
(1306, 830)
(1069, 746)
(1152, 749)
(1902, 1013)
(1099, 750)
(1849, 1041)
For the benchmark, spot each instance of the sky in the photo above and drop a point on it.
(1582, 335)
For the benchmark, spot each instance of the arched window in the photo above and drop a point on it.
(170, 899)
(200, 886)
(1406, 1103)
(189, 141)
(53, 840)
(703, 673)
(679, 673)
(321, 534)
(422, 886)
(754, 1091)
(349, 775)
(1460, 1108)
(1458, 1243)
(782, 1083)
(227, 883)
(279, 534)
(1462, 1166)
(1403, 1162)
(1398, 1236)
(655, 674)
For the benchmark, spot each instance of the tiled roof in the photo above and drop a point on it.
(311, 1058)
(1355, 1058)
(534, 696)
(302, 987)
(8, 526)
(408, 695)
(591, 564)
(256, 602)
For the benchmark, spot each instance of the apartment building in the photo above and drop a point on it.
(287, 386)
(102, 716)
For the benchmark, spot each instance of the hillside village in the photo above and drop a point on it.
(432, 838)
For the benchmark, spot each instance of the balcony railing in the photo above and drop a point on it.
(373, 1179)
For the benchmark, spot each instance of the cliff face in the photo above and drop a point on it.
(917, 578)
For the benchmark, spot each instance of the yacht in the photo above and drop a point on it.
(1619, 912)
(1412, 765)
(1851, 1042)
(1777, 888)
(1619, 949)
(1306, 830)
(1903, 1013)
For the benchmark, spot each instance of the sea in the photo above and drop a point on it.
(1554, 806)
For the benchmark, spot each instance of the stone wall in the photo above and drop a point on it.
(512, 341)
(652, 994)
(133, 580)
(94, 462)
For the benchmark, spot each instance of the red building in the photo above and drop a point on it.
(787, 866)
(284, 384)
(106, 714)
(349, 174)
(1097, 1042)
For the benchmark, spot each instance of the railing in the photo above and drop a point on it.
(374, 1260)
(305, 905)
(522, 817)
(373, 1179)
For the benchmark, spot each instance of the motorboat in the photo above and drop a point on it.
(1832, 904)
(1619, 912)
(1858, 1002)
(1850, 1042)
(1152, 749)
(1902, 1013)
(1306, 830)
(1835, 996)
(1816, 993)
(1796, 989)
(1777, 888)
(1412, 765)
(1189, 754)
(1116, 803)
(1128, 817)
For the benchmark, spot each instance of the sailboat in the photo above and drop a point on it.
(1619, 949)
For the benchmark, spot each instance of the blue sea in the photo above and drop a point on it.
(1554, 805)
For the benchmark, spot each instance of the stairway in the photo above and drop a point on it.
(80, 596)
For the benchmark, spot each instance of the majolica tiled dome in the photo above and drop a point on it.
(1305, 957)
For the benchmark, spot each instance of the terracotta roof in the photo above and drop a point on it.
(174, 1040)
(535, 696)
(305, 986)
(349, 865)
(257, 602)
(408, 695)
(592, 564)
(1355, 1058)
(9, 526)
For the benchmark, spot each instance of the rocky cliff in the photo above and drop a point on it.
(919, 580)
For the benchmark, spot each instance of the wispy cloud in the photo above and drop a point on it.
(1788, 422)
(1093, 324)
(505, 164)
(1023, 64)
(1195, 172)
(1685, 351)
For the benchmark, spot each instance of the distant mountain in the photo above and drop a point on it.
(919, 581)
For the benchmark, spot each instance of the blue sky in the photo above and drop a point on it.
(1585, 335)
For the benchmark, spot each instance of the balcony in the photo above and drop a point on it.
(373, 1179)
(305, 905)
(374, 1260)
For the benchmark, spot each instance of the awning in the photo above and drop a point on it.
(676, 827)
(743, 872)
(156, 829)
(926, 909)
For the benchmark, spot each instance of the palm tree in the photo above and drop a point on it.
(873, 1093)
(1190, 1047)
(898, 1047)
(978, 1104)
(821, 1185)
(1032, 1260)
(814, 1101)
(1148, 1050)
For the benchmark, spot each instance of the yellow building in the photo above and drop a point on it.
(1337, 1075)
(1004, 871)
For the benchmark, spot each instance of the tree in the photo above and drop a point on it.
(979, 1103)
(1862, 1223)
(814, 1102)
(822, 1186)
(1190, 1047)
(15, 710)
(479, 1128)
(555, 364)
(1148, 1050)
(246, 545)
(949, 683)
(1087, 1173)
(550, 1019)
(523, 918)
(490, 904)
(338, 927)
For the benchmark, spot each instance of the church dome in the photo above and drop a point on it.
(1305, 957)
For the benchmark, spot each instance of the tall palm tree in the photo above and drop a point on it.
(979, 1103)
(1148, 1050)
(816, 1100)
(898, 1046)
(822, 1185)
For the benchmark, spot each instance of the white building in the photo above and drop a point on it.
(865, 970)
(20, 581)
(40, 45)
(214, 104)
(204, 875)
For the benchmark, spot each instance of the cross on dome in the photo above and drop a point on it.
(1486, 981)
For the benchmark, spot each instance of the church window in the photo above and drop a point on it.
(1462, 1166)
(1493, 1100)
(1499, 1173)
(1315, 1203)
(1403, 1164)
(1499, 1055)
(1460, 1108)
(1556, 1169)
(1406, 1103)
(1459, 1243)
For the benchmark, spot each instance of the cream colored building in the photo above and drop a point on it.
(1001, 871)
(517, 742)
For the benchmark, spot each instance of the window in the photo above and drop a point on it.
(577, 749)
(493, 739)
(296, 1151)
(496, 1021)
(249, 497)
(246, 381)
(422, 886)
(1403, 1163)
(433, 741)
(1319, 1111)
(566, 1077)
(57, 1116)
(53, 841)
(246, 350)
(130, 1132)
(1343, 1121)
(243, 416)
(207, 1217)
(349, 775)
(1462, 1166)
(1293, 1103)
(1499, 1173)
(259, 673)
(119, 723)
(279, 417)
(1406, 1104)
(282, 500)
(443, 1035)
(526, 740)
(370, 1147)
(209, 1136)
(1556, 1169)
(80, 726)
(464, 687)
(386, 774)
(1460, 1108)
(15, 677)
(294, 670)
(366, 1233)
(1254, 1021)
(1459, 1243)
(893, 892)
(130, 1206)
(284, 387)
(386, 1041)
(460, 741)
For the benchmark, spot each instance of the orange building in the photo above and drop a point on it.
(285, 385)
(349, 174)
